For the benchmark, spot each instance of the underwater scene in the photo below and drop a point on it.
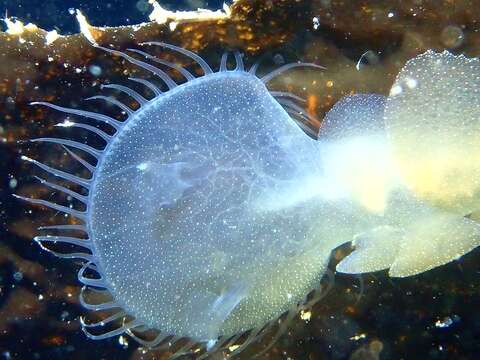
(241, 179)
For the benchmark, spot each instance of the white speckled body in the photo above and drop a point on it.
(199, 215)
(209, 212)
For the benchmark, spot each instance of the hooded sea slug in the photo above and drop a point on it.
(210, 212)
(195, 221)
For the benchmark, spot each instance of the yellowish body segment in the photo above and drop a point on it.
(428, 214)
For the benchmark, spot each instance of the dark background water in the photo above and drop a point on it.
(433, 315)
(55, 14)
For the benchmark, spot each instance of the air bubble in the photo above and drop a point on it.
(452, 36)
(18, 276)
(95, 70)
(13, 183)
